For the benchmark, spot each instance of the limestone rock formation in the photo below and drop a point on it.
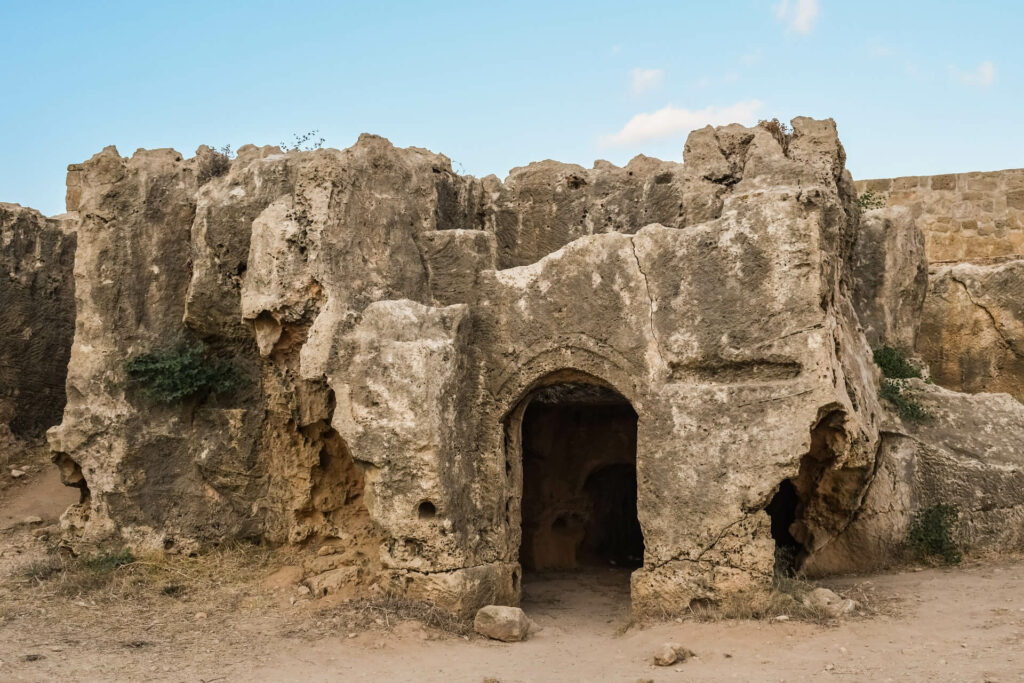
(890, 277)
(433, 382)
(973, 225)
(37, 320)
(972, 329)
(967, 455)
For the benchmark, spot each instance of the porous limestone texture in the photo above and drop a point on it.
(890, 277)
(972, 327)
(964, 216)
(968, 455)
(37, 319)
(393, 321)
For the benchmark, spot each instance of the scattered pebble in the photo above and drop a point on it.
(17, 474)
(670, 653)
(200, 615)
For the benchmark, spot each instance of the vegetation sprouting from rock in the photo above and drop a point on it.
(896, 392)
(931, 534)
(215, 163)
(894, 364)
(174, 375)
(306, 142)
(871, 200)
(779, 130)
(897, 369)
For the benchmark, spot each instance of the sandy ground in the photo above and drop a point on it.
(959, 624)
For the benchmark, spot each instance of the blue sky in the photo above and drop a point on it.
(915, 87)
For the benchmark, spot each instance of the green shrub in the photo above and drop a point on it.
(871, 200)
(895, 392)
(897, 369)
(931, 533)
(175, 375)
(894, 363)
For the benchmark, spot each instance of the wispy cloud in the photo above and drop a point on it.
(645, 80)
(671, 121)
(982, 77)
(799, 15)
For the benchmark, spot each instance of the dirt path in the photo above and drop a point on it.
(39, 493)
(961, 624)
(956, 625)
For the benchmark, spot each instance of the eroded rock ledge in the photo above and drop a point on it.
(393, 322)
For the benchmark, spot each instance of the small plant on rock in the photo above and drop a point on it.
(896, 392)
(871, 200)
(306, 142)
(174, 375)
(931, 533)
(897, 369)
(779, 130)
(894, 364)
(214, 163)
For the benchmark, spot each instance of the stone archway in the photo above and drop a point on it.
(573, 440)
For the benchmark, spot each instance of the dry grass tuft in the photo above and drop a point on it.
(785, 598)
(116, 574)
(389, 609)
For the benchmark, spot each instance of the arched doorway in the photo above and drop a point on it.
(577, 440)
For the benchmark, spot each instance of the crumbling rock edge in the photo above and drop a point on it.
(394, 319)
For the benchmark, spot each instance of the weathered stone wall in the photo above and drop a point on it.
(964, 216)
(972, 327)
(392, 322)
(394, 319)
(968, 455)
(37, 318)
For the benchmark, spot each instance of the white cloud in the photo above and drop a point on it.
(671, 121)
(983, 76)
(799, 15)
(644, 80)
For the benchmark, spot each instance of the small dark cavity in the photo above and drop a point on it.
(427, 510)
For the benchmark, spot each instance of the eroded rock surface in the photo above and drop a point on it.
(972, 329)
(394, 322)
(890, 277)
(37, 322)
(967, 455)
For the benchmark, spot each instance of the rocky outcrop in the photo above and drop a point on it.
(890, 277)
(973, 225)
(972, 329)
(37, 319)
(967, 455)
(392, 322)
(406, 355)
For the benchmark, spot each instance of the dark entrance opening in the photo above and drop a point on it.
(579, 504)
(782, 510)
